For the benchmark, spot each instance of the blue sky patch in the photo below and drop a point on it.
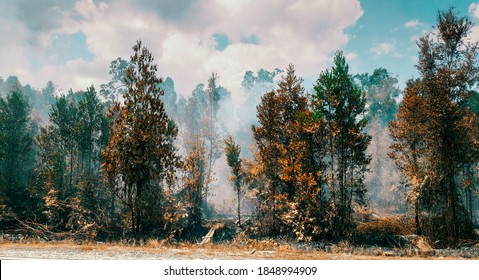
(65, 47)
(252, 39)
(386, 34)
(222, 41)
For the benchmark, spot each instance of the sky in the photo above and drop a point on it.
(72, 42)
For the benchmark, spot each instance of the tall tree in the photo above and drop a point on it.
(90, 144)
(342, 105)
(210, 131)
(140, 157)
(381, 90)
(194, 180)
(383, 182)
(16, 152)
(232, 152)
(201, 121)
(115, 88)
(266, 136)
(448, 129)
(289, 156)
(68, 164)
(64, 115)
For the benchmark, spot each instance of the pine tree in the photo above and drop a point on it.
(270, 138)
(16, 153)
(408, 149)
(448, 129)
(290, 156)
(68, 165)
(140, 156)
(342, 106)
(89, 130)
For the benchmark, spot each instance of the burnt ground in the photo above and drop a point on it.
(223, 239)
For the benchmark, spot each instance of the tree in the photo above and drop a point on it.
(232, 152)
(90, 143)
(117, 86)
(194, 180)
(342, 106)
(408, 132)
(254, 86)
(381, 90)
(434, 164)
(210, 130)
(383, 182)
(140, 157)
(68, 165)
(290, 158)
(16, 153)
(50, 186)
(268, 135)
(201, 121)
(169, 98)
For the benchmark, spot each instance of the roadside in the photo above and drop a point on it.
(159, 251)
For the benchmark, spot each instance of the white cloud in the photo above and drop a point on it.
(474, 10)
(301, 32)
(414, 23)
(351, 56)
(384, 48)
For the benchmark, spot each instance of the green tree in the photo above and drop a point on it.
(342, 105)
(117, 86)
(381, 90)
(64, 116)
(90, 144)
(17, 153)
(68, 164)
(140, 157)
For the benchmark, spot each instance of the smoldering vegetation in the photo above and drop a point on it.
(353, 161)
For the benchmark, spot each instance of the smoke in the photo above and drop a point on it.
(236, 115)
(383, 181)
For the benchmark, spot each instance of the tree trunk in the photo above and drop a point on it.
(239, 210)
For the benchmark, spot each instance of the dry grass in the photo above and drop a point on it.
(396, 224)
(250, 249)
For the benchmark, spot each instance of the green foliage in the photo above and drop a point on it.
(342, 105)
(117, 86)
(16, 153)
(381, 90)
(68, 180)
